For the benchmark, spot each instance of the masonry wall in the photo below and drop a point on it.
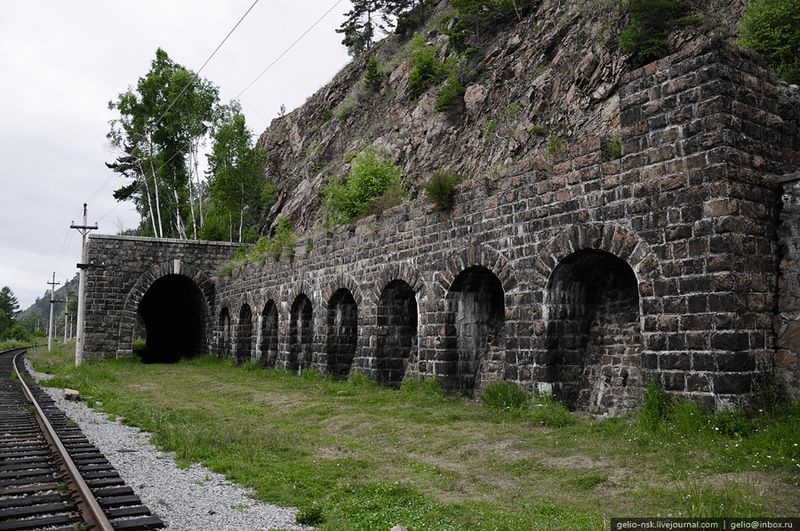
(587, 279)
(692, 209)
(124, 267)
(787, 321)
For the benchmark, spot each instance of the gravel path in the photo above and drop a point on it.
(189, 499)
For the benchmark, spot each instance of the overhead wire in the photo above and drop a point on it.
(186, 87)
(273, 63)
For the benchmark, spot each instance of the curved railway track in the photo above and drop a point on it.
(51, 476)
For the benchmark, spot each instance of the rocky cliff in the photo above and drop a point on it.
(537, 84)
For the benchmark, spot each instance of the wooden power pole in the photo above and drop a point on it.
(84, 230)
(50, 325)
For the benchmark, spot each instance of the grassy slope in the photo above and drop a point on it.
(371, 458)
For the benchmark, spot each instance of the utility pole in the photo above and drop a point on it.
(66, 315)
(84, 230)
(52, 285)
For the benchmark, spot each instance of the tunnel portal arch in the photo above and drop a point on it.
(173, 299)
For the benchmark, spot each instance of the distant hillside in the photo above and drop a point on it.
(41, 308)
(531, 85)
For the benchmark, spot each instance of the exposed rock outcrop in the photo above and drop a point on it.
(548, 80)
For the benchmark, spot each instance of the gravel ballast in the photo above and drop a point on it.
(193, 498)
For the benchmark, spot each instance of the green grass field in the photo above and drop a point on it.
(366, 457)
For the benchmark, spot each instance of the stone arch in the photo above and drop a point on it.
(592, 314)
(268, 336)
(193, 278)
(301, 334)
(474, 329)
(344, 281)
(342, 332)
(476, 254)
(609, 237)
(244, 334)
(402, 271)
(397, 331)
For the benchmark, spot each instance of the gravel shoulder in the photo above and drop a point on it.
(194, 498)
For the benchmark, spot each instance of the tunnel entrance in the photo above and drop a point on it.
(342, 333)
(173, 311)
(474, 327)
(301, 330)
(397, 332)
(593, 332)
(244, 334)
(269, 335)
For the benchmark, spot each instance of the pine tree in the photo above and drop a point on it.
(362, 21)
(8, 307)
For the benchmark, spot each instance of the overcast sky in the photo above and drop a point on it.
(62, 61)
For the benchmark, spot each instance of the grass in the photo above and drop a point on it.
(354, 455)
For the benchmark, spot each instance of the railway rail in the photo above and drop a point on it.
(51, 476)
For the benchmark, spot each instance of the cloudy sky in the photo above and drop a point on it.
(60, 64)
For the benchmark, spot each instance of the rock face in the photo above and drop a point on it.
(550, 79)
(787, 322)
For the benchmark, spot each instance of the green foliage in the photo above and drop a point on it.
(394, 195)
(426, 69)
(344, 107)
(654, 407)
(370, 176)
(8, 307)
(503, 395)
(442, 189)
(309, 441)
(457, 34)
(451, 95)
(310, 516)
(772, 28)
(358, 379)
(554, 145)
(139, 345)
(159, 135)
(422, 388)
(485, 11)
(645, 38)
(373, 76)
(769, 394)
(360, 24)
(284, 239)
(539, 130)
(237, 189)
(611, 149)
(550, 413)
(327, 114)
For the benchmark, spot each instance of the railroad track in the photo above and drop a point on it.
(51, 476)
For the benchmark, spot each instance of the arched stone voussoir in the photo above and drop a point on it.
(612, 238)
(478, 254)
(404, 271)
(344, 281)
(146, 280)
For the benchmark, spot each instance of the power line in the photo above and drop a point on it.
(245, 89)
(195, 77)
(289, 48)
(197, 74)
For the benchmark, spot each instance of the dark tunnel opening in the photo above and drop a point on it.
(174, 313)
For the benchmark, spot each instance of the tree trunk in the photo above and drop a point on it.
(149, 199)
(158, 200)
(191, 206)
(199, 186)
